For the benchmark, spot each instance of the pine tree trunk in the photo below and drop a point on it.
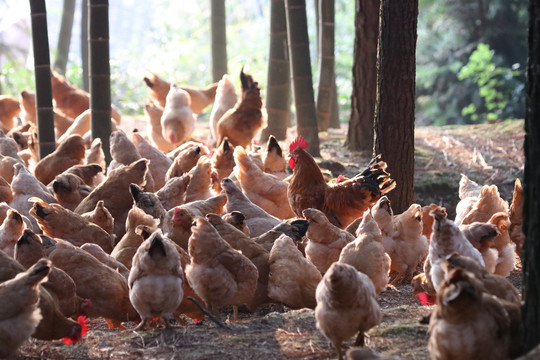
(100, 73)
(64, 37)
(84, 46)
(394, 106)
(360, 134)
(218, 26)
(334, 115)
(297, 35)
(326, 63)
(278, 82)
(42, 66)
(530, 312)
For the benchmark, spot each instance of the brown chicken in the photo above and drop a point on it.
(253, 251)
(200, 187)
(101, 217)
(293, 279)
(105, 258)
(159, 162)
(69, 190)
(427, 219)
(238, 220)
(68, 153)
(481, 236)
(294, 228)
(200, 97)
(343, 202)
(115, 193)
(72, 101)
(366, 253)
(219, 274)
(153, 114)
(148, 202)
(516, 217)
(9, 109)
(273, 161)
(6, 167)
(225, 99)
(156, 280)
(185, 160)
(222, 163)
(177, 121)
(481, 208)
(106, 289)
(28, 114)
(11, 229)
(242, 123)
(468, 323)
(173, 193)
(19, 311)
(346, 305)
(58, 222)
(325, 240)
(5, 191)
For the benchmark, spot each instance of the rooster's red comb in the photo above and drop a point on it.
(299, 142)
(83, 321)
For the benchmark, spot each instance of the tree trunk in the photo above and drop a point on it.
(530, 315)
(297, 35)
(84, 46)
(218, 26)
(278, 82)
(42, 66)
(394, 105)
(326, 63)
(64, 37)
(334, 115)
(360, 134)
(100, 73)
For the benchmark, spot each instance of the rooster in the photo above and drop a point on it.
(342, 202)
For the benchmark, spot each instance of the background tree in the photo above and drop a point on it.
(298, 39)
(42, 73)
(531, 207)
(278, 80)
(394, 105)
(360, 133)
(325, 86)
(84, 46)
(218, 26)
(100, 73)
(64, 37)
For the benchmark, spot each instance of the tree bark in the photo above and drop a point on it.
(100, 73)
(218, 26)
(334, 115)
(531, 189)
(64, 37)
(360, 133)
(297, 35)
(394, 105)
(278, 83)
(326, 63)
(42, 66)
(84, 46)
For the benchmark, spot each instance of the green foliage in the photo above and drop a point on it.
(15, 78)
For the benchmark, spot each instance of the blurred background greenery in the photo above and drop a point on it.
(470, 53)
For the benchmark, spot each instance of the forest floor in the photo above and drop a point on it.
(488, 154)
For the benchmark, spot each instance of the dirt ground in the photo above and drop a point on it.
(486, 153)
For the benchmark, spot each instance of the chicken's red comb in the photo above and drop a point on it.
(83, 321)
(299, 142)
(425, 298)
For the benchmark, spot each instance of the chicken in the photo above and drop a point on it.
(80, 126)
(200, 186)
(72, 101)
(480, 208)
(427, 219)
(493, 284)
(346, 305)
(5, 191)
(293, 279)
(238, 220)
(27, 100)
(9, 147)
(9, 109)
(177, 121)
(366, 253)
(148, 202)
(325, 240)
(123, 150)
(219, 274)
(516, 217)
(243, 122)
(115, 193)
(106, 289)
(225, 99)
(294, 228)
(505, 247)
(253, 251)
(69, 190)
(96, 156)
(185, 160)
(19, 314)
(258, 220)
(342, 202)
(101, 217)
(132, 239)
(97, 252)
(11, 229)
(481, 236)
(200, 97)
(273, 161)
(173, 193)
(423, 289)
(467, 323)
(264, 190)
(56, 221)
(446, 239)
(153, 113)
(402, 238)
(222, 163)
(156, 280)
(159, 163)
(6, 167)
